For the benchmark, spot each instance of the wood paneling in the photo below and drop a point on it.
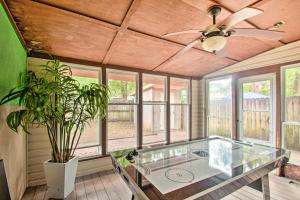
(195, 63)
(278, 10)
(110, 12)
(142, 52)
(173, 16)
(110, 32)
(241, 48)
(61, 32)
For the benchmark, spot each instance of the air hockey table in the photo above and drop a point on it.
(210, 168)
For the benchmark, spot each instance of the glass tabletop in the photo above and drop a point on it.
(172, 167)
(176, 166)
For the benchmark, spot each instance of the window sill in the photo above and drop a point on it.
(82, 159)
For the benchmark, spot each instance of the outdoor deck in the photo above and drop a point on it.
(109, 186)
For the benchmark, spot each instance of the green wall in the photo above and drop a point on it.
(13, 57)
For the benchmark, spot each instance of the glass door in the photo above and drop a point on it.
(219, 107)
(291, 111)
(256, 109)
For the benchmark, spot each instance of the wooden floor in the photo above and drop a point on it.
(109, 186)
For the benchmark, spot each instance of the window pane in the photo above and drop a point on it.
(179, 89)
(292, 137)
(291, 126)
(292, 142)
(154, 124)
(256, 110)
(292, 94)
(121, 127)
(153, 88)
(122, 86)
(90, 141)
(219, 107)
(179, 122)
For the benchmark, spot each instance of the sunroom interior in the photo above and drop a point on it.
(159, 95)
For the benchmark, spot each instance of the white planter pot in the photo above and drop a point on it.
(60, 178)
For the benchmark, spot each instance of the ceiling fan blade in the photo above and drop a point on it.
(184, 50)
(239, 16)
(258, 33)
(183, 32)
(222, 53)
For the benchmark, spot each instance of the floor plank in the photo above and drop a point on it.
(109, 186)
(99, 187)
(112, 192)
(80, 189)
(40, 192)
(89, 188)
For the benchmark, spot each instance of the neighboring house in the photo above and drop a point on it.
(155, 115)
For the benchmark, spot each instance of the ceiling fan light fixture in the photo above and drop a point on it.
(214, 43)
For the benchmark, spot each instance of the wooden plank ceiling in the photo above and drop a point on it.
(128, 32)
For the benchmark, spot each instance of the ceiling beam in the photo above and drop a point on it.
(42, 55)
(259, 3)
(124, 25)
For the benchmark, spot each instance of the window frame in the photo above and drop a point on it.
(135, 103)
(187, 104)
(102, 77)
(207, 80)
(283, 107)
(100, 71)
(256, 78)
(159, 103)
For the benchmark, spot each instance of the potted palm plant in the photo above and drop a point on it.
(57, 101)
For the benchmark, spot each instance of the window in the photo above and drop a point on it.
(90, 141)
(154, 109)
(122, 110)
(291, 111)
(219, 107)
(179, 109)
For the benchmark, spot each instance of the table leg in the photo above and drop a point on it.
(265, 187)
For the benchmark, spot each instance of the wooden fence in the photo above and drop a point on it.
(121, 113)
(256, 120)
(292, 132)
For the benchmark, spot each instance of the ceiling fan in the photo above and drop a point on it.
(214, 37)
